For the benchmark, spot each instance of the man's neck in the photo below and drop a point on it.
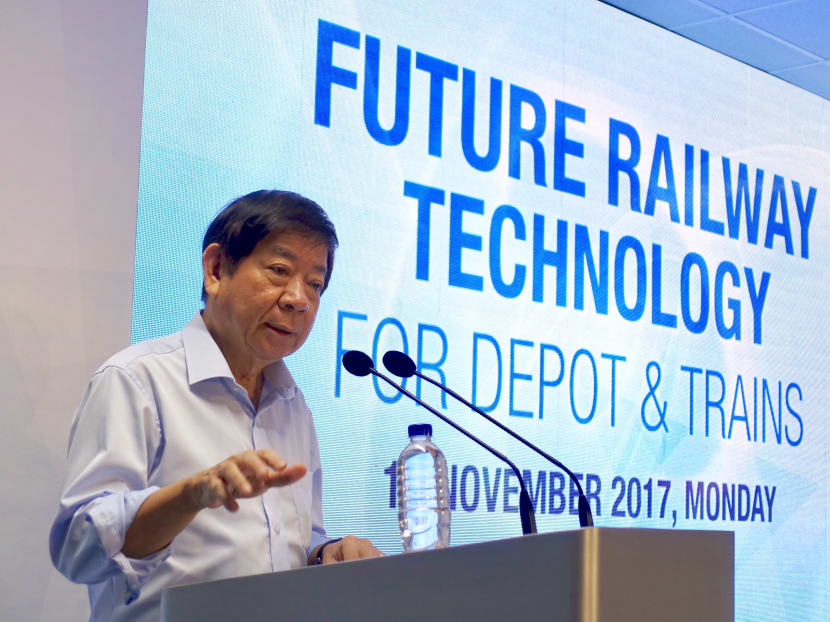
(247, 373)
(253, 385)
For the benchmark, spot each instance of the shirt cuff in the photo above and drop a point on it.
(111, 515)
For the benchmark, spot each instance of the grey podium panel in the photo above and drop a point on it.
(590, 575)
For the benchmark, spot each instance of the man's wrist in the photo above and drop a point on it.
(188, 494)
(318, 558)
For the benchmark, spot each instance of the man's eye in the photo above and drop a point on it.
(317, 287)
(280, 270)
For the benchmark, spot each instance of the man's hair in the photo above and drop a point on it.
(245, 221)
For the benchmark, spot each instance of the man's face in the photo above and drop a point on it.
(264, 310)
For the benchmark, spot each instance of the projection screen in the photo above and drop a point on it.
(612, 239)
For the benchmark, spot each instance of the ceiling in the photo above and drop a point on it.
(786, 38)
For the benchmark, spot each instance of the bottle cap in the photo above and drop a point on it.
(420, 429)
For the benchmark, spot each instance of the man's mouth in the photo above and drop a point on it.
(279, 328)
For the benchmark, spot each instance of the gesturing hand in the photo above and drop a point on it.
(242, 476)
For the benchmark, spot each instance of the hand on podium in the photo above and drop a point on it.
(343, 550)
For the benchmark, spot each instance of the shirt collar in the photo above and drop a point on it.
(205, 360)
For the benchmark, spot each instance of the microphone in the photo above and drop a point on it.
(360, 364)
(402, 365)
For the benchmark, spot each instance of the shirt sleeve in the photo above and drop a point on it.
(115, 442)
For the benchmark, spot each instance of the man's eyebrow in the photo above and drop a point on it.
(280, 251)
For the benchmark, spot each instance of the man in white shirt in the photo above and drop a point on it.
(193, 457)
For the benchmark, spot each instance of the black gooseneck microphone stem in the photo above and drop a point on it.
(586, 518)
(525, 505)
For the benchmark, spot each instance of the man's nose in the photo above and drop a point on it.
(294, 295)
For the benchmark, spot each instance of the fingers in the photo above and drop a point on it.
(270, 457)
(271, 469)
(332, 554)
(350, 548)
(244, 475)
(208, 489)
(231, 504)
(369, 550)
(256, 469)
(235, 484)
(235, 481)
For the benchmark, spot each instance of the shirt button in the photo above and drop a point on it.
(277, 528)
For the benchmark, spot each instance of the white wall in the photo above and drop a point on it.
(71, 76)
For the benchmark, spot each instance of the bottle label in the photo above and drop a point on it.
(421, 502)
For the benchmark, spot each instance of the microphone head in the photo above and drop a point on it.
(358, 363)
(399, 363)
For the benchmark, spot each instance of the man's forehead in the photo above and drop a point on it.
(292, 244)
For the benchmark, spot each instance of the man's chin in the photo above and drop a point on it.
(273, 352)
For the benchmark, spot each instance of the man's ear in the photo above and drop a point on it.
(212, 268)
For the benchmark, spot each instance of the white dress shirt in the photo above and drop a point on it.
(154, 413)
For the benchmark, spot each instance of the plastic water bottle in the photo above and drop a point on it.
(423, 493)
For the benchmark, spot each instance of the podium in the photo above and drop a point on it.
(597, 574)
